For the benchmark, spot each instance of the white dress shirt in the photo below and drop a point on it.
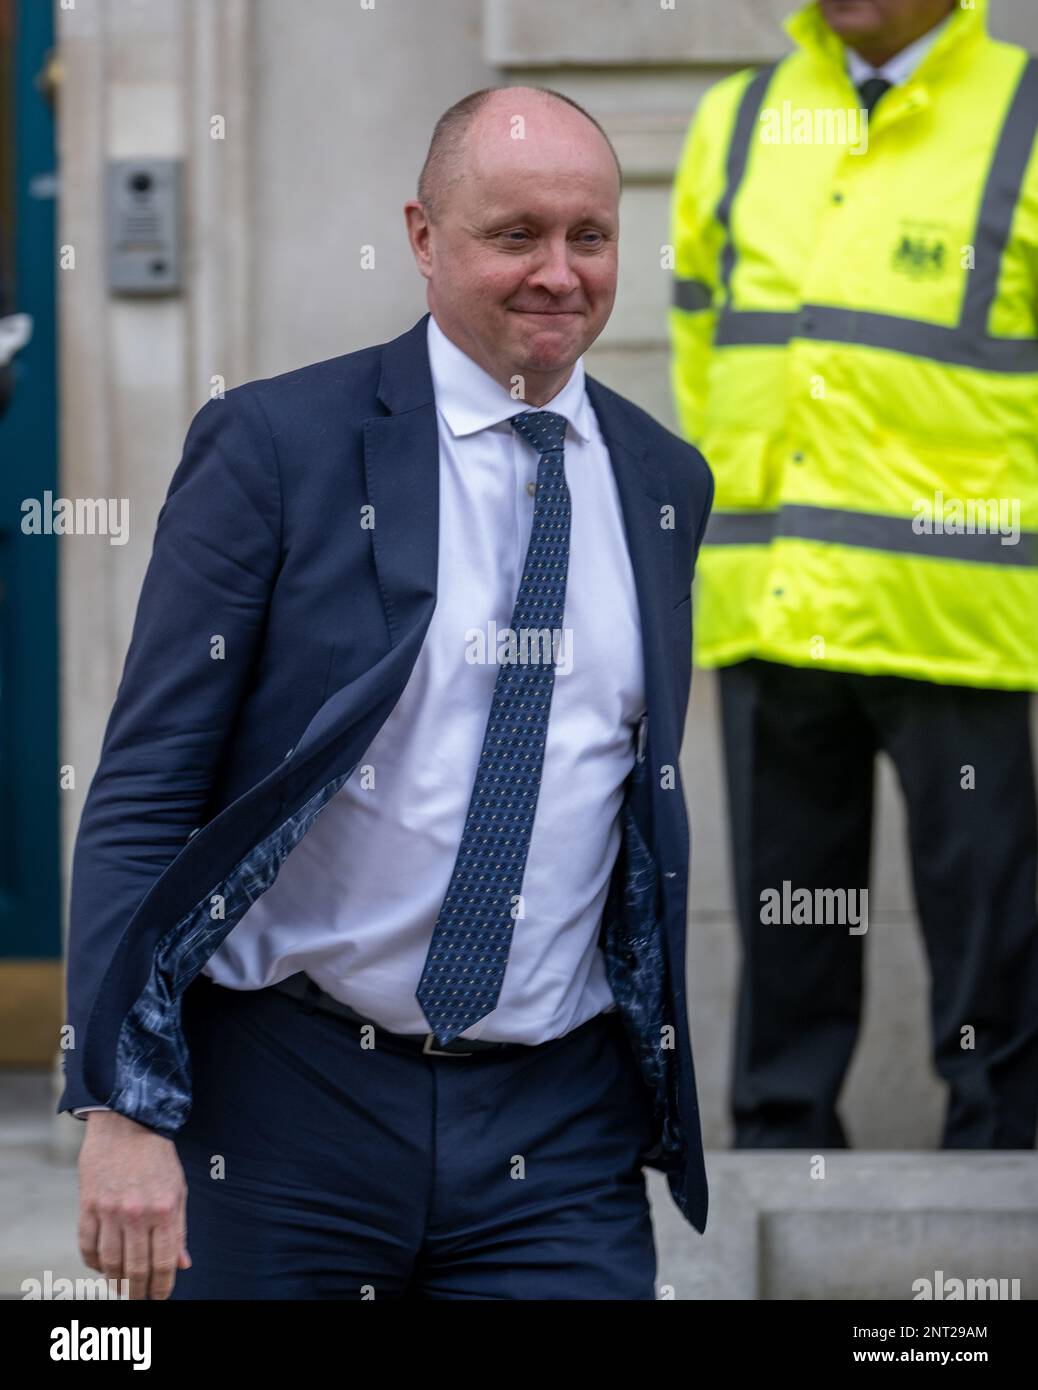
(356, 900)
(901, 66)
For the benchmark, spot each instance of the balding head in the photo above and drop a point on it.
(515, 228)
(445, 162)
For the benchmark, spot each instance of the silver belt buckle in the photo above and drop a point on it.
(430, 1051)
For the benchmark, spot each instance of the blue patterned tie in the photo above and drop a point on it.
(468, 953)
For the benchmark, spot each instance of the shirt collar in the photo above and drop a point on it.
(469, 399)
(902, 65)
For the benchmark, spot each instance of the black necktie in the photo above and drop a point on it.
(871, 90)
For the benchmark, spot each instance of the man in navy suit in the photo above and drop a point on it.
(376, 978)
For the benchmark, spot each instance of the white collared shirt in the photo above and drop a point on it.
(901, 66)
(356, 900)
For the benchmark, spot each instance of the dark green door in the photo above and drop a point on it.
(29, 788)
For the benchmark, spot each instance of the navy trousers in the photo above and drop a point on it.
(321, 1169)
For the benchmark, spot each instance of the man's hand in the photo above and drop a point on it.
(132, 1205)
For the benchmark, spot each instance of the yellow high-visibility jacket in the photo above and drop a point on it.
(855, 350)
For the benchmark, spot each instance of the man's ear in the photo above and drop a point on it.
(419, 234)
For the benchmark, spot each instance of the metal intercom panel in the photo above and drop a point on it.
(144, 226)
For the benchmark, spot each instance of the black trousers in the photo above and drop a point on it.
(800, 749)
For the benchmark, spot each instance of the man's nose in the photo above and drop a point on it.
(555, 271)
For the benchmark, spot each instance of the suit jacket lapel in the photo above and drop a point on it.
(402, 464)
(651, 545)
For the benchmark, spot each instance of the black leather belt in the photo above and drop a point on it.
(310, 994)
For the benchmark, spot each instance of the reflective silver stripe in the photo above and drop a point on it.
(692, 295)
(740, 528)
(998, 204)
(825, 323)
(868, 531)
(754, 328)
(877, 531)
(735, 168)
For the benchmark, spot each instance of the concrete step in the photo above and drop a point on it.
(849, 1225)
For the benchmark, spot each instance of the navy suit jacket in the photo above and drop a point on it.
(212, 770)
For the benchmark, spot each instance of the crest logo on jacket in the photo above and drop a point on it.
(919, 257)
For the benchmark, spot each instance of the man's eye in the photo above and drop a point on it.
(591, 238)
(516, 236)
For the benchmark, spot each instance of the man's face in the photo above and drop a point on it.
(522, 261)
(887, 24)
